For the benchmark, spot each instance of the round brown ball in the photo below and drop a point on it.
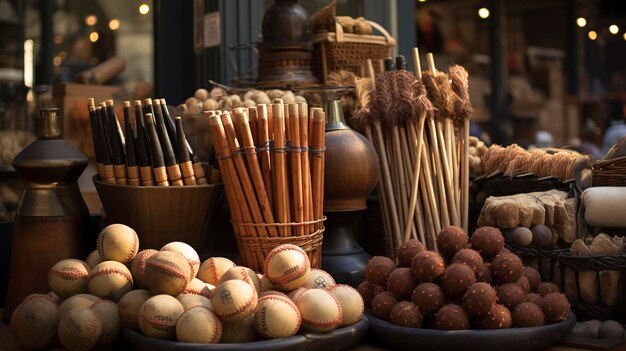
(499, 317)
(488, 241)
(524, 283)
(510, 295)
(401, 283)
(542, 235)
(450, 240)
(407, 251)
(555, 307)
(503, 251)
(452, 317)
(534, 278)
(534, 298)
(406, 314)
(368, 291)
(429, 297)
(470, 258)
(427, 266)
(382, 304)
(506, 268)
(456, 279)
(479, 299)
(545, 288)
(484, 276)
(378, 269)
(527, 314)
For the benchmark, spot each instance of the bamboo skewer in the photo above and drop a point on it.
(295, 156)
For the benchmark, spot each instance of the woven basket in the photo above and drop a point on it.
(344, 51)
(546, 260)
(254, 249)
(610, 172)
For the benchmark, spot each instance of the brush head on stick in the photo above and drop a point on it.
(460, 85)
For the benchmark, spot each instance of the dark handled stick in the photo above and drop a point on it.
(117, 150)
(173, 170)
(186, 166)
(169, 126)
(158, 163)
(131, 154)
(145, 166)
(108, 174)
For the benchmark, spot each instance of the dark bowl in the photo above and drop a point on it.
(514, 339)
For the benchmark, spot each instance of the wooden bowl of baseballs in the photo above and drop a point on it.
(161, 215)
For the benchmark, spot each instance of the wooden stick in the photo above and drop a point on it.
(173, 170)
(131, 157)
(116, 143)
(254, 125)
(306, 168)
(264, 145)
(91, 108)
(317, 164)
(158, 163)
(145, 168)
(108, 174)
(186, 166)
(280, 185)
(295, 156)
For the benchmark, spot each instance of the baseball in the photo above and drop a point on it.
(266, 284)
(198, 287)
(276, 317)
(189, 300)
(158, 316)
(352, 305)
(68, 277)
(110, 280)
(129, 306)
(320, 310)
(239, 331)
(234, 300)
(118, 242)
(137, 268)
(77, 301)
(287, 267)
(319, 279)
(273, 292)
(107, 313)
(34, 322)
(188, 253)
(167, 272)
(93, 258)
(242, 273)
(79, 329)
(199, 325)
(212, 269)
(294, 295)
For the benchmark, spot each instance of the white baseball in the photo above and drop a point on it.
(320, 310)
(234, 300)
(137, 268)
(294, 295)
(319, 279)
(199, 325)
(287, 267)
(212, 269)
(188, 253)
(276, 317)
(79, 329)
(93, 258)
(242, 273)
(190, 300)
(34, 322)
(167, 272)
(266, 284)
(118, 242)
(110, 280)
(352, 305)
(158, 316)
(107, 313)
(68, 277)
(198, 287)
(77, 301)
(129, 307)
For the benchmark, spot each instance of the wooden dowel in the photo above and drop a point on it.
(295, 155)
(466, 173)
(254, 127)
(264, 145)
(306, 168)
(317, 164)
(280, 185)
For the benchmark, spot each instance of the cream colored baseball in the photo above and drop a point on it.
(276, 317)
(234, 300)
(129, 306)
(319, 279)
(273, 292)
(79, 329)
(34, 322)
(294, 295)
(352, 305)
(158, 316)
(138, 267)
(320, 310)
(68, 277)
(199, 325)
(212, 269)
(118, 242)
(242, 273)
(167, 272)
(266, 284)
(198, 287)
(190, 300)
(107, 313)
(187, 252)
(239, 331)
(110, 280)
(93, 259)
(77, 301)
(287, 267)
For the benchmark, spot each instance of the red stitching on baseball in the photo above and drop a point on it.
(239, 309)
(214, 270)
(158, 324)
(69, 275)
(291, 276)
(289, 302)
(327, 323)
(134, 251)
(165, 264)
(104, 271)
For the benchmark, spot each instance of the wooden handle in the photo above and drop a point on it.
(108, 174)
(147, 178)
(120, 174)
(160, 176)
(186, 168)
(174, 175)
(134, 177)
(198, 172)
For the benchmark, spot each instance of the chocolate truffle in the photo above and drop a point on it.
(429, 297)
(499, 317)
(524, 283)
(484, 276)
(401, 283)
(510, 295)
(382, 304)
(534, 298)
(378, 269)
(456, 279)
(470, 258)
(427, 266)
(545, 288)
(407, 251)
(534, 278)
(368, 291)
(452, 317)
(542, 235)
(488, 241)
(479, 299)
(406, 314)
(450, 240)
(555, 307)
(506, 268)
(527, 314)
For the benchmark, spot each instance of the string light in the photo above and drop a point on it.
(614, 29)
(114, 24)
(592, 35)
(483, 12)
(581, 22)
(91, 20)
(94, 36)
(144, 9)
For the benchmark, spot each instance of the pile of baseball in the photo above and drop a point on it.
(482, 287)
(170, 294)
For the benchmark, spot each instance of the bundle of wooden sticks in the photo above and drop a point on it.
(151, 150)
(419, 125)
